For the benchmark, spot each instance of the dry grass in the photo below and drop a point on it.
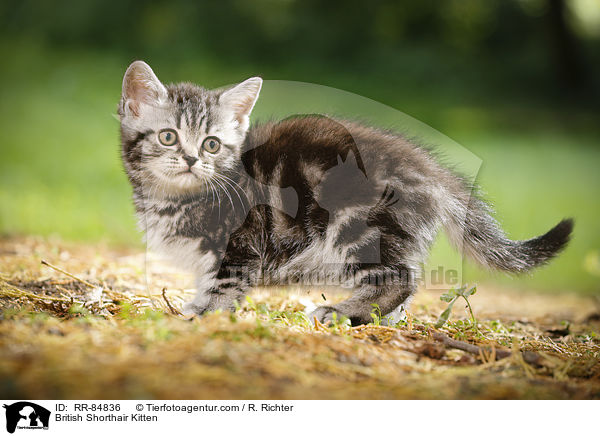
(97, 333)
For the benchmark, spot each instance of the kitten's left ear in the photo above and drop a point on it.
(241, 99)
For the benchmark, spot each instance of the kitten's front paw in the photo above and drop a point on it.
(209, 302)
(191, 309)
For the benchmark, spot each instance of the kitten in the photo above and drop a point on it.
(308, 195)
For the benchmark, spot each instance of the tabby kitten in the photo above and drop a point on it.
(308, 195)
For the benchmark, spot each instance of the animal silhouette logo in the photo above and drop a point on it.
(26, 415)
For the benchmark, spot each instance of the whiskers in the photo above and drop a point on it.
(173, 182)
(237, 189)
(220, 182)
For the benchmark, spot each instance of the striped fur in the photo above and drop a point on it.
(307, 196)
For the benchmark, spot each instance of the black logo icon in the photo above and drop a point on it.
(26, 415)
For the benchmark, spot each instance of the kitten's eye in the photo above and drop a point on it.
(167, 137)
(211, 144)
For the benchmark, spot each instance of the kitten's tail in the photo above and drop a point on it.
(478, 234)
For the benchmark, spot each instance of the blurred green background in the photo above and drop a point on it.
(515, 82)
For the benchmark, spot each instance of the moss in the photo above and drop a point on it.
(62, 339)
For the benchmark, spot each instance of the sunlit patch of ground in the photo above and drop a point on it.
(108, 331)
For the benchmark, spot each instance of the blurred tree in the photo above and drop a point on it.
(515, 42)
(566, 49)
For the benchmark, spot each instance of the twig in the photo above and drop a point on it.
(319, 325)
(12, 291)
(528, 356)
(68, 274)
(65, 290)
(171, 308)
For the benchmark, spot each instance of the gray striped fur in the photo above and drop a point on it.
(306, 195)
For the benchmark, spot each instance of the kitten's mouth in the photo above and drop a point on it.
(187, 172)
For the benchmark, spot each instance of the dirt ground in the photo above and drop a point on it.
(107, 327)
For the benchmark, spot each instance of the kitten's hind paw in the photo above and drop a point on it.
(327, 314)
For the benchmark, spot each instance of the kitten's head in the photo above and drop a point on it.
(180, 139)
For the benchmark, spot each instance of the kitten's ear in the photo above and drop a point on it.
(140, 85)
(241, 99)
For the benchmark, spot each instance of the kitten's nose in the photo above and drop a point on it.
(191, 160)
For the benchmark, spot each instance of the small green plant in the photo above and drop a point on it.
(339, 324)
(77, 310)
(376, 314)
(379, 318)
(450, 297)
(251, 303)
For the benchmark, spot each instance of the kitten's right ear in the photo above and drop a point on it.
(140, 85)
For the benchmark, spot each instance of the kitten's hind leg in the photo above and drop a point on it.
(381, 292)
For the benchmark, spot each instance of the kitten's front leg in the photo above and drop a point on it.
(222, 290)
(202, 301)
(206, 268)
